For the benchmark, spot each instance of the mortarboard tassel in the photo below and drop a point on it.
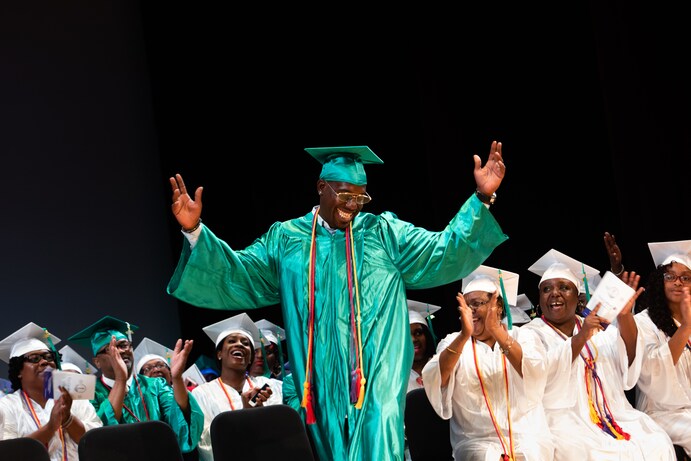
(280, 355)
(58, 362)
(585, 284)
(265, 363)
(507, 308)
(428, 319)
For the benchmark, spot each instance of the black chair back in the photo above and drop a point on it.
(142, 441)
(23, 449)
(427, 433)
(261, 433)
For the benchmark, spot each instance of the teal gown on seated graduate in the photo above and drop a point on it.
(158, 404)
(391, 256)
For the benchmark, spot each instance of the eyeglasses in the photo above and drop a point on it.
(477, 304)
(36, 358)
(123, 345)
(345, 197)
(155, 366)
(669, 277)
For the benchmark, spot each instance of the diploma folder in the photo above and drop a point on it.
(612, 294)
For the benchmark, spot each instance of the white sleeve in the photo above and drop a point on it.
(193, 236)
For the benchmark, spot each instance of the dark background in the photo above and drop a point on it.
(103, 101)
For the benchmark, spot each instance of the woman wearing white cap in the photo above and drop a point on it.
(235, 339)
(486, 379)
(58, 423)
(590, 365)
(422, 335)
(664, 324)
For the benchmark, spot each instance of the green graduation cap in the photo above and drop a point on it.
(345, 164)
(97, 335)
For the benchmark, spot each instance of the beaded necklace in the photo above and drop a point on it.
(600, 413)
(357, 375)
(502, 439)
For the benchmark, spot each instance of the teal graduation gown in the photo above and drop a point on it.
(159, 404)
(391, 256)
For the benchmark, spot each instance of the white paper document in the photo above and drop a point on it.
(78, 385)
(612, 294)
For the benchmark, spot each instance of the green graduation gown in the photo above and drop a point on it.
(391, 256)
(159, 404)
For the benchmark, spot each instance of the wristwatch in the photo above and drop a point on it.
(486, 199)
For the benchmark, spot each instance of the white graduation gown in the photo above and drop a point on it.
(17, 421)
(664, 390)
(567, 405)
(473, 435)
(414, 381)
(213, 400)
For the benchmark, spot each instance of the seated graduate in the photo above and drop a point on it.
(591, 363)
(664, 324)
(123, 396)
(152, 359)
(57, 423)
(236, 339)
(424, 341)
(269, 347)
(487, 378)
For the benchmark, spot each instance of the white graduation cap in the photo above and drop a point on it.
(518, 316)
(71, 360)
(194, 374)
(419, 311)
(523, 302)
(518, 312)
(241, 323)
(665, 252)
(270, 331)
(148, 350)
(557, 265)
(29, 338)
(593, 282)
(486, 278)
(491, 279)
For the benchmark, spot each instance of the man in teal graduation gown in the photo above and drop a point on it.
(341, 275)
(126, 397)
